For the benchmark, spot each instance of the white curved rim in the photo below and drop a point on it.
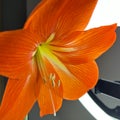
(94, 109)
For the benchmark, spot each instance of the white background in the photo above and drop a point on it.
(106, 12)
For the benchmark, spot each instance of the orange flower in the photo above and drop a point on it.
(51, 58)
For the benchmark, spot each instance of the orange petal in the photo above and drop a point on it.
(50, 96)
(83, 77)
(16, 50)
(19, 97)
(60, 17)
(86, 45)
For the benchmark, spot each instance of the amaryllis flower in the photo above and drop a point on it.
(51, 58)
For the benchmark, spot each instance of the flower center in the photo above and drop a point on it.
(45, 51)
(40, 56)
(41, 65)
(46, 76)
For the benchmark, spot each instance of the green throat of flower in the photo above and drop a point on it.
(45, 51)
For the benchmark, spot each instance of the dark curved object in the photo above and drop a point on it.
(109, 88)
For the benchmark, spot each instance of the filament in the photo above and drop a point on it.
(52, 101)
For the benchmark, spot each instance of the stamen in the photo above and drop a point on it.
(41, 52)
(51, 37)
(33, 54)
(52, 78)
(62, 49)
(53, 83)
(41, 65)
(58, 84)
(54, 60)
(52, 101)
(28, 78)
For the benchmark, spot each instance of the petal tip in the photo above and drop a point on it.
(114, 26)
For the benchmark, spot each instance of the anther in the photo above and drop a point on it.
(53, 83)
(52, 78)
(58, 84)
